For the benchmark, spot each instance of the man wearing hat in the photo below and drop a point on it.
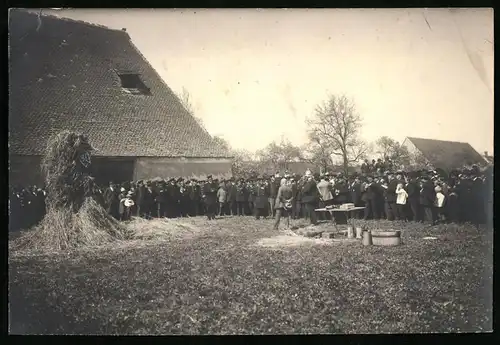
(250, 196)
(231, 197)
(172, 198)
(427, 198)
(195, 197)
(161, 201)
(310, 197)
(128, 204)
(390, 197)
(293, 185)
(261, 198)
(355, 193)
(273, 192)
(209, 195)
(111, 200)
(325, 193)
(413, 190)
(240, 197)
(184, 201)
(140, 198)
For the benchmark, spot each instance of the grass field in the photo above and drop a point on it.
(237, 276)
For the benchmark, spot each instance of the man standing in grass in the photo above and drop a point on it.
(112, 201)
(261, 199)
(427, 199)
(231, 197)
(284, 200)
(273, 191)
(209, 195)
(325, 191)
(310, 197)
(240, 198)
(222, 198)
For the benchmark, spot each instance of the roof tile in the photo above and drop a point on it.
(447, 154)
(63, 76)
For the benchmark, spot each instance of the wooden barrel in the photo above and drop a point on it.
(386, 238)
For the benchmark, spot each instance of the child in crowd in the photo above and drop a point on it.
(126, 205)
(221, 198)
(402, 195)
(440, 203)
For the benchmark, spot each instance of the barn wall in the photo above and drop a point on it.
(148, 168)
(25, 170)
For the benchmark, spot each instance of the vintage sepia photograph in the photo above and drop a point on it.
(250, 171)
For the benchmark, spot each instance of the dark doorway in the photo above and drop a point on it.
(118, 170)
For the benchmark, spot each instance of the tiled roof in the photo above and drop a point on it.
(63, 76)
(447, 154)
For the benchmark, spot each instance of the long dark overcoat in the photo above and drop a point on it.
(210, 193)
(262, 197)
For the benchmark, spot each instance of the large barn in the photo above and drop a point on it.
(444, 154)
(67, 74)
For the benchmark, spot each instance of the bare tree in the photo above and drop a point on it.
(389, 148)
(279, 155)
(335, 128)
(186, 101)
(223, 143)
(244, 165)
(318, 156)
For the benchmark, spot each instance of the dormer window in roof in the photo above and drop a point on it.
(132, 83)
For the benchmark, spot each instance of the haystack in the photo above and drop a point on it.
(73, 218)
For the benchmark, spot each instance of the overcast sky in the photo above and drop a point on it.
(254, 75)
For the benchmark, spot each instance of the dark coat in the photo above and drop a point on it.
(261, 199)
(149, 197)
(194, 192)
(413, 190)
(343, 193)
(390, 193)
(161, 196)
(173, 193)
(111, 199)
(355, 191)
(231, 193)
(310, 193)
(210, 193)
(240, 193)
(273, 189)
(251, 192)
(141, 193)
(183, 194)
(427, 194)
(298, 194)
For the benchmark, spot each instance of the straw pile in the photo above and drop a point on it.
(74, 218)
(61, 229)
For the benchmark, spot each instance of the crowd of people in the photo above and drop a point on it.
(422, 196)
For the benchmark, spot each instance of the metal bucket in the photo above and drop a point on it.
(359, 232)
(386, 238)
(367, 238)
(350, 232)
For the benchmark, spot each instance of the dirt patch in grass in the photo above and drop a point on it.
(291, 241)
(164, 228)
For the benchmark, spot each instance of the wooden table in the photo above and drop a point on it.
(347, 211)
